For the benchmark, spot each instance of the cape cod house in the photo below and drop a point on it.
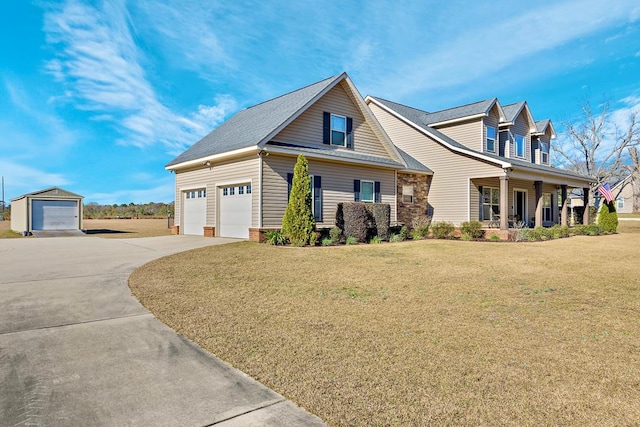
(480, 161)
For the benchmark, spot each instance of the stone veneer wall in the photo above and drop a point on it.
(409, 211)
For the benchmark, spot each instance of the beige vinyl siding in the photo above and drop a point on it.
(521, 127)
(470, 134)
(227, 172)
(626, 194)
(308, 127)
(492, 120)
(450, 191)
(19, 215)
(337, 186)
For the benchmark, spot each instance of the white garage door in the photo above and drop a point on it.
(54, 215)
(235, 211)
(194, 216)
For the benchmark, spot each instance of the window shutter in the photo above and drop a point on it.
(317, 198)
(376, 186)
(349, 132)
(326, 128)
(289, 183)
(356, 190)
(480, 218)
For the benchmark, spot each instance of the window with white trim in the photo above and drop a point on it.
(546, 208)
(407, 194)
(490, 202)
(248, 188)
(491, 138)
(338, 130)
(367, 191)
(520, 142)
(620, 202)
(241, 189)
(544, 153)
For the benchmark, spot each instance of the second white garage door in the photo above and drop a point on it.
(235, 211)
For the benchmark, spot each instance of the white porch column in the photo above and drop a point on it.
(504, 201)
(563, 216)
(585, 202)
(539, 202)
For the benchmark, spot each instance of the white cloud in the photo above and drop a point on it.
(97, 59)
(21, 179)
(464, 58)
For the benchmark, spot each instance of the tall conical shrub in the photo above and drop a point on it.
(608, 217)
(298, 223)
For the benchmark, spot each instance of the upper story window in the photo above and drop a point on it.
(337, 130)
(544, 153)
(491, 139)
(520, 145)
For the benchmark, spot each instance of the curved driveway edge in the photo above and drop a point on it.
(76, 348)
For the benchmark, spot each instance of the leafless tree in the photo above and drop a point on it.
(597, 146)
(634, 171)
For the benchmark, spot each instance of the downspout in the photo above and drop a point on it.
(260, 190)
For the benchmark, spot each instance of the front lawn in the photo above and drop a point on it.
(420, 333)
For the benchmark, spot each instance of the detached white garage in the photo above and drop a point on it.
(50, 209)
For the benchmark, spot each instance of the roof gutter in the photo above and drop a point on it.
(295, 152)
(461, 119)
(420, 129)
(220, 156)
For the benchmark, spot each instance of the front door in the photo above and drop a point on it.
(520, 205)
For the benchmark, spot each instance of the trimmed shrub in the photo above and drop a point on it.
(559, 232)
(442, 230)
(298, 223)
(472, 230)
(588, 230)
(404, 233)
(420, 227)
(494, 238)
(335, 234)
(364, 220)
(381, 218)
(327, 242)
(608, 217)
(356, 220)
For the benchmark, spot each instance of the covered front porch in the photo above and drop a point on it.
(514, 201)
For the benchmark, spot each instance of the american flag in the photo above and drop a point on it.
(605, 190)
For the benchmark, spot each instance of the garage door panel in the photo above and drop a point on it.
(54, 215)
(194, 212)
(235, 212)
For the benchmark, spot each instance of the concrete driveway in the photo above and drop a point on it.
(76, 348)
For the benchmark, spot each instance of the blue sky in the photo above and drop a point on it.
(96, 97)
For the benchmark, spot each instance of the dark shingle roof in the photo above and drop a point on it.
(251, 126)
(541, 125)
(511, 111)
(413, 113)
(481, 107)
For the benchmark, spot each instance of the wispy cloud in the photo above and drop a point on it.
(21, 179)
(97, 59)
(485, 49)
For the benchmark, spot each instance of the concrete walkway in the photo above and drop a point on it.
(76, 348)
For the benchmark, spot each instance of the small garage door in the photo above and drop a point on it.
(194, 216)
(235, 211)
(54, 215)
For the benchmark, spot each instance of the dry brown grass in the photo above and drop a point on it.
(421, 333)
(6, 232)
(126, 228)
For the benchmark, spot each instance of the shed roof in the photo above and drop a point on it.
(52, 192)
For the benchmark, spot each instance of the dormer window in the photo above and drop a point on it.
(544, 153)
(520, 144)
(491, 139)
